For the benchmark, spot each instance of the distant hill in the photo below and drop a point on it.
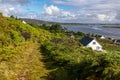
(38, 22)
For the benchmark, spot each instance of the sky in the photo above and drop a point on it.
(67, 11)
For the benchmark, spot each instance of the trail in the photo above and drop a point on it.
(32, 63)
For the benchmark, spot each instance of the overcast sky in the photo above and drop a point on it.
(77, 11)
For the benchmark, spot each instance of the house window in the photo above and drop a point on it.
(97, 47)
(94, 42)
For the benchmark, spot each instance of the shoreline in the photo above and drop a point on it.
(118, 27)
(95, 31)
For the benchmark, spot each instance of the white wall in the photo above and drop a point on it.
(102, 37)
(95, 46)
(24, 22)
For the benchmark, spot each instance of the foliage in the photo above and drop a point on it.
(54, 28)
(20, 57)
(110, 46)
(29, 52)
(71, 59)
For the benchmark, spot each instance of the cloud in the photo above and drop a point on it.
(18, 8)
(65, 10)
(10, 10)
(53, 13)
(104, 17)
(21, 2)
(93, 10)
(14, 7)
(51, 10)
(75, 2)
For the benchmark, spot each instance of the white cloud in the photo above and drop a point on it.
(102, 17)
(53, 13)
(75, 2)
(17, 8)
(93, 10)
(8, 10)
(73, 10)
(12, 8)
(51, 10)
(106, 17)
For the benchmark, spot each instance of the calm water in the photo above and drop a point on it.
(96, 29)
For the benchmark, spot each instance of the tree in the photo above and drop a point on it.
(1, 14)
(12, 16)
(56, 28)
(45, 26)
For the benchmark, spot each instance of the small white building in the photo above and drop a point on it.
(72, 37)
(101, 36)
(91, 43)
(117, 41)
(24, 22)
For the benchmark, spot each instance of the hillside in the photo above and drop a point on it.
(20, 57)
(29, 52)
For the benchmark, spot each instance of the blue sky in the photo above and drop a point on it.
(76, 11)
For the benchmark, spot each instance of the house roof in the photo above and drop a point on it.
(86, 40)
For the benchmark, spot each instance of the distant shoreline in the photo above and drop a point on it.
(112, 27)
(97, 29)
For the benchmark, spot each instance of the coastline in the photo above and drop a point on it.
(97, 30)
(111, 27)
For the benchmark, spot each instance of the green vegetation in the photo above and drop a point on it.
(48, 52)
(110, 46)
(70, 59)
(20, 57)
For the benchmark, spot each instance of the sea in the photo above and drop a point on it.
(95, 29)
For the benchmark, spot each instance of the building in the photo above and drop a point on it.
(111, 39)
(24, 22)
(117, 41)
(101, 36)
(91, 43)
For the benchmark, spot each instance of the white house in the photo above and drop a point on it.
(24, 22)
(91, 43)
(116, 41)
(101, 36)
